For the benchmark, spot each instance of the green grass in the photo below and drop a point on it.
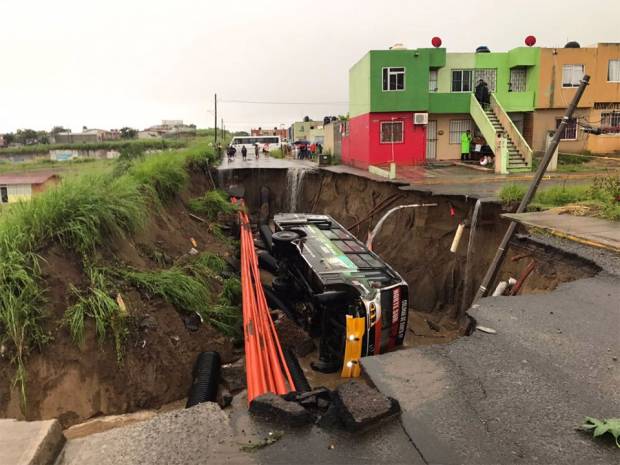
(186, 292)
(212, 204)
(82, 214)
(276, 153)
(602, 196)
(158, 144)
(96, 303)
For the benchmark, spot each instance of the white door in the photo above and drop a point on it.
(431, 140)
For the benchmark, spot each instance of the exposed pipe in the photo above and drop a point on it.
(529, 195)
(457, 237)
(372, 234)
(473, 230)
(385, 202)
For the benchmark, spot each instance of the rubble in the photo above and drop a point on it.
(360, 406)
(291, 335)
(233, 376)
(273, 408)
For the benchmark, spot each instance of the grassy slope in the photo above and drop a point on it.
(602, 196)
(81, 214)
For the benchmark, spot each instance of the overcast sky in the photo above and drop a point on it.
(114, 63)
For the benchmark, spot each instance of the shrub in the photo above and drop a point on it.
(212, 204)
(165, 173)
(512, 193)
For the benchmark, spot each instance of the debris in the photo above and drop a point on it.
(273, 408)
(434, 326)
(272, 438)
(193, 241)
(175, 339)
(233, 376)
(148, 322)
(331, 447)
(360, 406)
(486, 329)
(600, 427)
(121, 304)
(196, 217)
(291, 335)
(224, 397)
(193, 251)
(192, 321)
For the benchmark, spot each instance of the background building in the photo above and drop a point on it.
(307, 130)
(412, 106)
(282, 132)
(16, 187)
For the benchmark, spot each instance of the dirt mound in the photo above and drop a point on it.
(74, 383)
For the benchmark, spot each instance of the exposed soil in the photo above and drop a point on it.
(77, 383)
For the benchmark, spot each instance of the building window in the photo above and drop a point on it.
(613, 71)
(571, 75)
(461, 80)
(457, 128)
(391, 131)
(610, 119)
(488, 75)
(570, 130)
(517, 79)
(393, 79)
(432, 80)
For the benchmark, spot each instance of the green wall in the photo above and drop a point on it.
(366, 80)
(359, 88)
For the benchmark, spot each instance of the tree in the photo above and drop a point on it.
(56, 129)
(128, 133)
(344, 117)
(26, 136)
(9, 138)
(240, 133)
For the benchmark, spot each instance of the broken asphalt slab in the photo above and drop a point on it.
(30, 442)
(201, 434)
(516, 396)
(360, 406)
(273, 408)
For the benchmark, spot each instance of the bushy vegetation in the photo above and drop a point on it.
(96, 303)
(82, 214)
(602, 197)
(276, 153)
(120, 145)
(211, 204)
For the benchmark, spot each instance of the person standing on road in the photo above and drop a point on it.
(256, 151)
(465, 145)
(231, 153)
(244, 153)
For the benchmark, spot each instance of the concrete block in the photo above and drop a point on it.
(30, 442)
(273, 408)
(361, 406)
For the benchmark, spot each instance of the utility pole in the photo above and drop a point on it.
(222, 128)
(501, 251)
(215, 142)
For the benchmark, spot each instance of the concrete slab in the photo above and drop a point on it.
(201, 434)
(516, 396)
(585, 229)
(30, 442)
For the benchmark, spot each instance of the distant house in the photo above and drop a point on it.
(307, 130)
(86, 136)
(283, 133)
(169, 128)
(3, 141)
(148, 134)
(15, 187)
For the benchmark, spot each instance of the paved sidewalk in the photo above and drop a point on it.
(584, 229)
(517, 396)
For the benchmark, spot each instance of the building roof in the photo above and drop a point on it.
(31, 178)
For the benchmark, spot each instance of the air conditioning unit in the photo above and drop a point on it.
(420, 118)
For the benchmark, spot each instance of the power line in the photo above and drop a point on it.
(256, 102)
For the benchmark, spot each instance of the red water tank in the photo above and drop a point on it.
(530, 40)
(436, 41)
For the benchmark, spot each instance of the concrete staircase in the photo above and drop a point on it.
(516, 162)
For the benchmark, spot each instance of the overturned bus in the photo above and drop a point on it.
(324, 274)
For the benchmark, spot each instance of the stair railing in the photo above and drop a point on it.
(511, 130)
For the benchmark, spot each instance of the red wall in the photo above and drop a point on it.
(363, 147)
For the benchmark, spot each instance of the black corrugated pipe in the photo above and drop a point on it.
(265, 234)
(206, 377)
(275, 302)
(297, 373)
